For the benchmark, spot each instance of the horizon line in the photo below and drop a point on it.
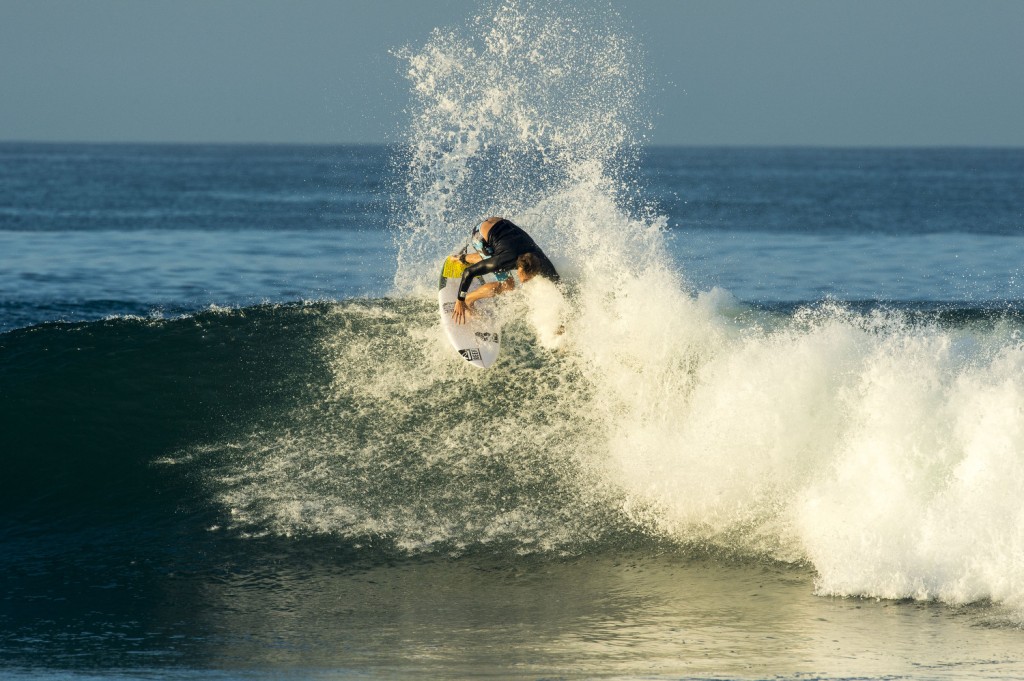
(656, 145)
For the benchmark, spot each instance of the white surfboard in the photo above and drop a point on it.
(479, 339)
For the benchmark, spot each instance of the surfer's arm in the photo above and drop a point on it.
(467, 258)
(485, 291)
(466, 300)
(477, 269)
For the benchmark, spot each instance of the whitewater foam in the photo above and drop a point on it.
(547, 312)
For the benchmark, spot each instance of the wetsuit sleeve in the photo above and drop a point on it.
(476, 270)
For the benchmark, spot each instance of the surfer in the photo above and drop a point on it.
(503, 246)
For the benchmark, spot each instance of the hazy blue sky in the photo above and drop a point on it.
(876, 72)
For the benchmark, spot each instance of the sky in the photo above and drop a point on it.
(719, 72)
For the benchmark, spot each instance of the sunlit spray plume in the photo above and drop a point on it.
(532, 113)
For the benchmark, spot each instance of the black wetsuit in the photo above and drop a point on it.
(506, 242)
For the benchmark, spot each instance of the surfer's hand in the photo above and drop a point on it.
(459, 313)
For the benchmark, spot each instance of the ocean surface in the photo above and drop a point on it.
(781, 436)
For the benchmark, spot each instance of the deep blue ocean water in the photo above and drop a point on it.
(88, 231)
(234, 446)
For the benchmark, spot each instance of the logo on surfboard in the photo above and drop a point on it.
(471, 354)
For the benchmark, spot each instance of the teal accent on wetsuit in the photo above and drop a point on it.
(478, 244)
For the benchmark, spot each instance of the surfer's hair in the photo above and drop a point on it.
(529, 263)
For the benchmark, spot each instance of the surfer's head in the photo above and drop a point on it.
(528, 266)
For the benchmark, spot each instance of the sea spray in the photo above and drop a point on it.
(531, 113)
(547, 312)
